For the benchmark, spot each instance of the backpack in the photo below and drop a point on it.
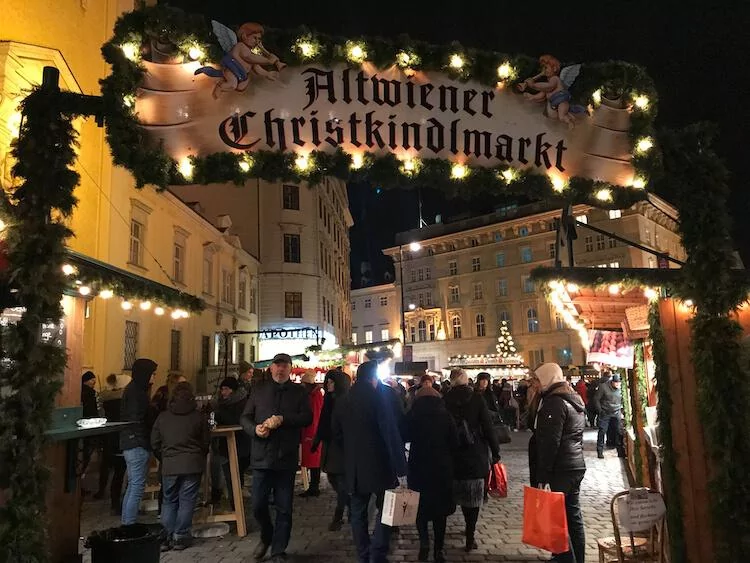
(466, 437)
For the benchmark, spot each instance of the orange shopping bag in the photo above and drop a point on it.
(545, 524)
(498, 481)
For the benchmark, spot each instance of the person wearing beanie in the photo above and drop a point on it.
(311, 459)
(608, 405)
(227, 412)
(90, 410)
(559, 425)
(483, 388)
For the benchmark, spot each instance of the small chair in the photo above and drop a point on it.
(643, 512)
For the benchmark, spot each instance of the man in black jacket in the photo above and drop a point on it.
(90, 410)
(135, 442)
(275, 414)
(560, 421)
(608, 405)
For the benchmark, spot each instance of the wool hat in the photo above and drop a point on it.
(483, 375)
(616, 378)
(282, 359)
(549, 374)
(230, 382)
(244, 367)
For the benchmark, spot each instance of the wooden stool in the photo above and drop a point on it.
(608, 549)
(238, 515)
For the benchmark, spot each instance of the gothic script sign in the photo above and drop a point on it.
(425, 115)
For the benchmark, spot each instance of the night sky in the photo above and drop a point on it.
(696, 52)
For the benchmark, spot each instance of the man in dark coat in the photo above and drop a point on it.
(365, 422)
(608, 405)
(112, 460)
(229, 408)
(135, 441)
(275, 414)
(180, 439)
(432, 433)
(90, 410)
(560, 421)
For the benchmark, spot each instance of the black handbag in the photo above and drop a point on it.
(503, 433)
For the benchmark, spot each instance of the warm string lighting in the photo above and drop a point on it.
(302, 162)
(245, 164)
(641, 102)
(639, 183)
(459, 171)
(506, 71)
(605, 194)
(145, 305)
(509, 175)
(106, 294)
(84, 290)
(596, 96)
(410, 166)
(564, 307)
(356, 52)
(196, 53)
(644, 144)
(132, 51)
(558, 183)
(358, 160)
(185, 167)
(68, 269)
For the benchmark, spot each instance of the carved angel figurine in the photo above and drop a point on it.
(244, 55)
(552, 86)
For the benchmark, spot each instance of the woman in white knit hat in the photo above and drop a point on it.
(559, 423)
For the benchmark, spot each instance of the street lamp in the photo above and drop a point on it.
(413, 247)
(412, 306)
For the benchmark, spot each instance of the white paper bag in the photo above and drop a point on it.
(400, 507)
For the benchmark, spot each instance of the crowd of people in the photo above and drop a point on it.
(367, 436)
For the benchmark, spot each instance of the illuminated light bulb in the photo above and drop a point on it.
(195, 53)
(84, 290)
(415, 246)
(126, 305)
(159, 311)
(614, 289)
(184, 314)
(130, 50)
(302, 162)
(456, 61)
(403, 59)
(145, 305)
(639, 183)
(175, 314)
(509, 174)
(358, 160)
(68, 270)
(459, 171)
(688, 303)
(505, 71)
(572, 288)
(558, 183)
(641, 102)
(106, 294)
(597, 96)
(409, 166)
(186, 168)
(412, 306)
(650, 293)
(644, 144)
(356, 53)
(306, 49)
(604, 195)
(128, 101)
(244, 166)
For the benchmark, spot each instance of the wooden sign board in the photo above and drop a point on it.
(640, 510)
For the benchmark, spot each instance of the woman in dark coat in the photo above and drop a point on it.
(336, 385)
(434, 440)
(476, 438)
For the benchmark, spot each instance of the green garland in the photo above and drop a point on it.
(37, 210)
(640, 366)
(670, 476)
(151, 165)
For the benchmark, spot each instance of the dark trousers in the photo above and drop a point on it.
(338, 482)
(471, 516)
(314, 478)
(281, 484)
(375, 549)
(180, 496)
(569, 483)
(438, 528)
(609, 431)
(115, 464)
(244, 463)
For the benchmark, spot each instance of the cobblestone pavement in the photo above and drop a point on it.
(498, 531)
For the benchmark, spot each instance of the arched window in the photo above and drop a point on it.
(505, 316)
(533, 319)
(422, 331)
(456, 322)
(480, 325)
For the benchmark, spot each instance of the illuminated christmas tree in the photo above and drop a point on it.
(506, 346)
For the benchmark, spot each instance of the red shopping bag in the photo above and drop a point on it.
(498, 481)
(544, 522)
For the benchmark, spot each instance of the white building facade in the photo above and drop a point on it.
(375, 314)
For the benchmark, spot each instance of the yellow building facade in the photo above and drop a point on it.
(141, 234)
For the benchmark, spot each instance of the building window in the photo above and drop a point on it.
(551, 253)
(476, 264)
(612, 243)
(523, 232)
(474, 242)
(533, 319)
(536, 358)
(243, 293)
(413, 274)
(252, 308)
(600, 242)
(528, 284)
(614, 264)
(368, 303)
(427, 273)
(227, 287)
(500, 259)
(526, 254)
(455, 294)
(205, 351)
(420, 274)
(656, 240)
(291, 197)
(559, 324)
(384, 301)
(178, 269)
(384, 334)
(241, 351)
(320, 207)
(505, 316)
(175, 348)
(651, 262)
(583, 219)
(292, 249)
(502, 288)
(456, 324)
(615, 213)
(452, 268)
(131, 344)
(498, 236)
(480, 325)
(413, 333)
(354, 305)
(422, 327)
(478, 292)
(293, 304)
(354, 337)
(208, 272)
(647, 236)
(137, 236)
(589, 242)
(432, 331)
(428, 299)
(430, 251)
(420, 300)
(368, 337)
(564, 356)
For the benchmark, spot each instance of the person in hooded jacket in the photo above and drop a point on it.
(336, 385)
(477, 438)
(227, 412)
(134, 441)
(310, 458)
(434, 440)
(112, 460)
(180, 439)
(560, 421)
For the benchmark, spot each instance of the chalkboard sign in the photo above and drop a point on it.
(53, 333)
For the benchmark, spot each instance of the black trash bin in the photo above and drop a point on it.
(136, 543)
